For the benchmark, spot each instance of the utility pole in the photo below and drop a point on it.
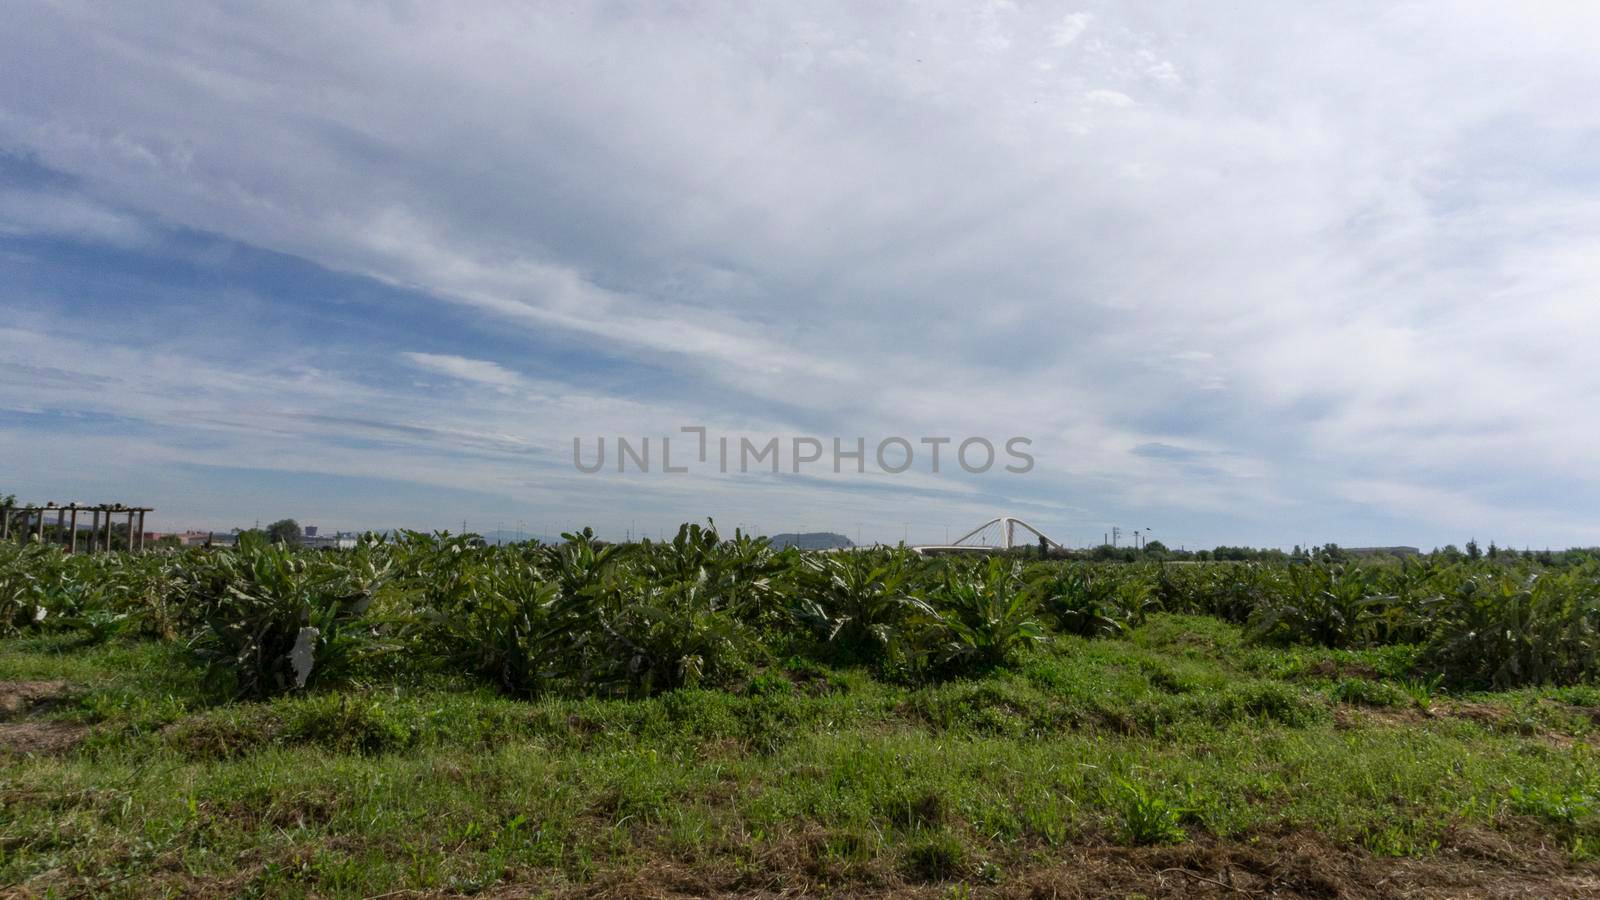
(1116, 533)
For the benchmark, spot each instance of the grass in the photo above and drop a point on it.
(1179, 733)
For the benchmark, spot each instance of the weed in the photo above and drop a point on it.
(938, 856)
(1147, 817)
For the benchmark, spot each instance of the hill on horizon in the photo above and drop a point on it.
(811, 540)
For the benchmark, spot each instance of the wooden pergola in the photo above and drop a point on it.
(99, 518)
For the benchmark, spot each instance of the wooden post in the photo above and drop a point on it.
(108, 529)
(131, 547)
(94, 530)
(5, 523)
(141, 529)
(72, 541)
(38, 527)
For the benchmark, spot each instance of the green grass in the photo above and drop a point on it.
(1179, 731)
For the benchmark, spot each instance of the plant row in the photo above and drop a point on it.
(583, 617)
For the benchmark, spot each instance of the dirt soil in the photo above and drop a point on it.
(21, 732)
(22, 698)
(1472, 864)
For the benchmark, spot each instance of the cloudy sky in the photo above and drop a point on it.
(1244, 273)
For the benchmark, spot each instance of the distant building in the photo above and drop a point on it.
(310, 538)
(341, 541)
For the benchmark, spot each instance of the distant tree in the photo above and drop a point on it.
(9, 500)
(1155, 547)
(1044, 547)
(285, 531)
(1472, 549)
(1494, 552)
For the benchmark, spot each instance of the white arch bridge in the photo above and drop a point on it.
(999, 533)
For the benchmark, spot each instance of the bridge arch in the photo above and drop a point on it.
(1007, 529)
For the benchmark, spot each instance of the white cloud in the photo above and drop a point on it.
(32, 212)
(1114, 99)
(479, 370)
(1070, 28)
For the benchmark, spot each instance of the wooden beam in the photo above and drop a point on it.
(72, 540)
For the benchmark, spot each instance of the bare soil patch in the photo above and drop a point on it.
(25, 698)
(1473, 864)
(39, 737)
(1490, 716)
(20, 701)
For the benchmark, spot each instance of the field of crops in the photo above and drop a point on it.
(708, 715)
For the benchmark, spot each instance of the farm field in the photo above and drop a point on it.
(706, 716)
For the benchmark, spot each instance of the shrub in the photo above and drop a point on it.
(1093, 603)
(1505, 630)
(985, 617)
(27, 576)
(1335, 606)
(645, 638)
(277, 620)
(498, 619)
(861, 605)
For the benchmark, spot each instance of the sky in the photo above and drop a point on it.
(1263, 274)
